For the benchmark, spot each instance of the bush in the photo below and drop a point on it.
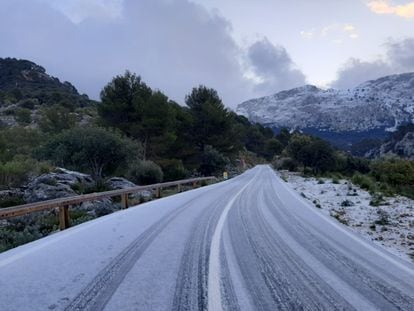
(347, 203)
(395, 172)
(23, 116)
(145, 173)
(16, 172)
(29, 103)
(335, 180)
(376, 200)
(18, 141)
(383, 218)
(212, 161)
(173, 169)
(56, 119)
(11, 201)
(365, 182)
(312, 152)
(94, 150)
(287, 164)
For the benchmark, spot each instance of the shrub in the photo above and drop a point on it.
(395, 172)
(145, 173)
(383, 218)
(289, 164)
(95, 150)
(335, 180)
(365, 182)
(29, 103)
(212, 161)
(11, 201)
(347, 203)
(56, 119)
(173, 169)
(376, 200)
(16, 172)
(23, 116)
(18, 141)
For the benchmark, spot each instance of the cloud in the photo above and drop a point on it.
(349, 28)
(385, 7)
(79, 10)
(333, 32)
(401, 55)
(307, 34)
(174, 44)
(355, 72)
(398, 58)
(273, 67)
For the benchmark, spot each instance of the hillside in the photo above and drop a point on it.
(343, 117)
(26, 91)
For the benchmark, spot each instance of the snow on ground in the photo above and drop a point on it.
(390, 224)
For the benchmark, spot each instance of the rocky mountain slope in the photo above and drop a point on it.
(26, 90)
(342, 116)
(400, 144)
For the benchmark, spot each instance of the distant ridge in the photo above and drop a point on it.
(344, 117)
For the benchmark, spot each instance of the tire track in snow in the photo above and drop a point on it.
(100, 290)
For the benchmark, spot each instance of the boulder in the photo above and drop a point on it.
(119, 183)
(115, 183)
(58, 184)
(46, 189)
(98, 208)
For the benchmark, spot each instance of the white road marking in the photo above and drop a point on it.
(214, 288)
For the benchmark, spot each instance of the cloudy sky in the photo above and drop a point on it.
(243, 48)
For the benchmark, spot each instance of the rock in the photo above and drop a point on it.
(40, 190)
(58, 184)
(115, 183)
(98, 208)
(119, 183)
(72, 178)
(410, 236)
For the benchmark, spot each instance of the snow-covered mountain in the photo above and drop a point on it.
(343, 116)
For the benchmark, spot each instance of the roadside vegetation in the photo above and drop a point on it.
(313, 157)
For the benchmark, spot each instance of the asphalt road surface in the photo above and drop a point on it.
(250, 243)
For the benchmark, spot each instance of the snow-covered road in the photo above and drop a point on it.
(250, 243)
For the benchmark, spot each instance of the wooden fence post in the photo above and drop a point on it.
(124, 201)
(64, 220)
(179, 188)
(158, 192)
(194, 184)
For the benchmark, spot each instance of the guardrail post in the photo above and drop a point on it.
(158, 192)
(124, 201)
(64, 220)
(194, 184)
(179, 188)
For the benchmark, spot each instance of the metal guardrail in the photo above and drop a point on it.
(64, 203)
